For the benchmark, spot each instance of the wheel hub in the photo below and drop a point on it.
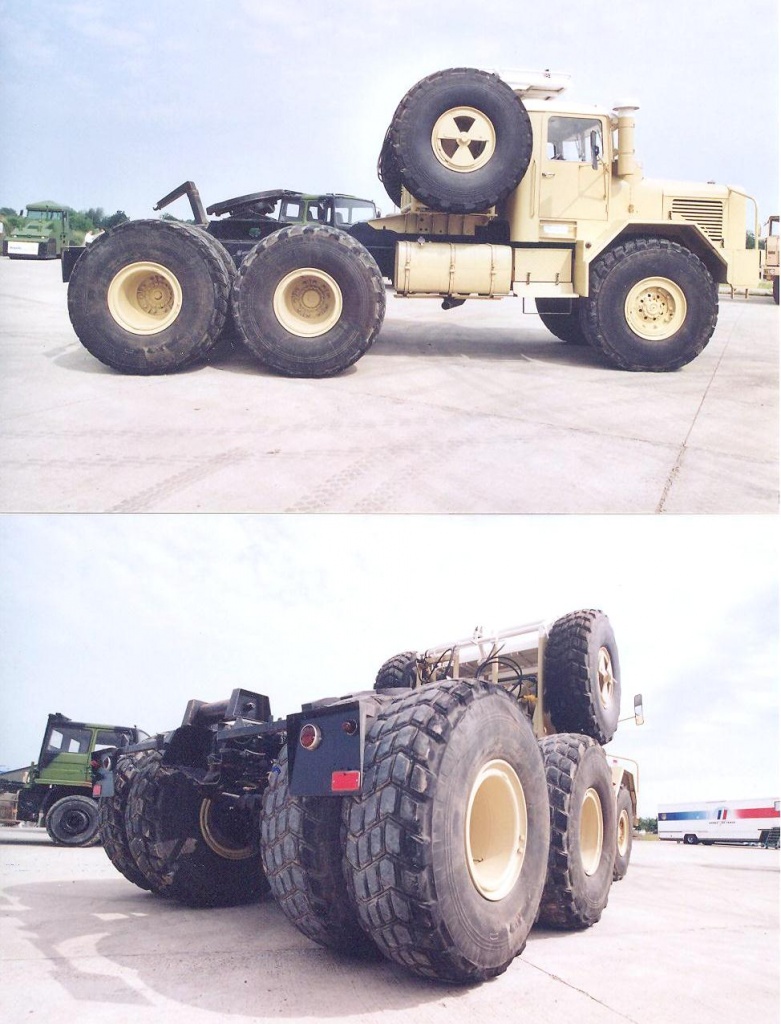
(308, 303)
(496, 829)
(655, 308)
(144, 298)
(623, 833)
(607, 681)
(591, 831)
(463, 139)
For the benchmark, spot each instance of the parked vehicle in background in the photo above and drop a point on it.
(56, 791)
(46, 231)
(770, 265)
(721, 821)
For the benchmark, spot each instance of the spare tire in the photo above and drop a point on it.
(398, 672)
(388, 171)
(462, 140)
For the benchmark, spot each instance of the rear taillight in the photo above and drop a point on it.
(310, 736)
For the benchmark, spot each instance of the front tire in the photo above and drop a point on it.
(462, 140)
(447, 844)
(652, 305)
(624, 821)
(775, 290)
(309, 301)
(73, 821)
(583, 832)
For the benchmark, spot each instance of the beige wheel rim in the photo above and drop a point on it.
(591, 831)
(623, 833)
(308, 302)
(496, 828)
(605, 678)
(144, 298)
(655, 308)
(216, 839)
(463, 139)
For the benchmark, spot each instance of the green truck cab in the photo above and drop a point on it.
(46, 231)
(56, 791)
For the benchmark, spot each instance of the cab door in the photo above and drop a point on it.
(575, 173)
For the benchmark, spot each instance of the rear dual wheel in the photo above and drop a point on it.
(150, 296)
(308, 301)
(583, 832)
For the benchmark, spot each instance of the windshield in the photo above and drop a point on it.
(352, 211)
(44, 214)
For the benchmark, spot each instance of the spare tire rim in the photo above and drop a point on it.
(591, 831)
(144, 298)
(463, 139)
(496, 830)
(605, 678)
(308, 302)
(655, 308)
(623, 833)
(225, 830)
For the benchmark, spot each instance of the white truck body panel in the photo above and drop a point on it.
(720, 821)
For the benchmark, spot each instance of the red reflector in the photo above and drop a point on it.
(345, 782)
(96, 790)
(310, 737)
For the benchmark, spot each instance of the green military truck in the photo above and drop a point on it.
(505, 190)
(46, 231)
(56, 791)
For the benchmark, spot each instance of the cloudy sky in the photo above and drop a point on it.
(124, 619)
(113, 105)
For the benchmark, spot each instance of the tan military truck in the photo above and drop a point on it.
(432, 819)
(770, 266)
(505, 190)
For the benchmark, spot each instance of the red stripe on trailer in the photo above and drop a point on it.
(757, 812)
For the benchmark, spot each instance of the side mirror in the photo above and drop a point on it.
(594, 150)
(639, 718)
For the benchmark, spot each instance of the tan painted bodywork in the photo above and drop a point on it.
(565, 212)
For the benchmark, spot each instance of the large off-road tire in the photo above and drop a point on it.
(302, 849)
(309, 301)
(193, 849)
(447, 844)
(73, 821)
(582, 679)
(388, 171)
(775, 289)
(397, 672)
(462, 140)
(583, 832)
(652, 305)
(562, 318)
(150, 296)
(624, 825)
(111, 817)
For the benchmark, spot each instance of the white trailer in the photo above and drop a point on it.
(722, 821)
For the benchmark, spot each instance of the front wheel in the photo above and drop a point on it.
(624, 818)
(652, 305)
(309, 301)
(448, 842)
(73, 821)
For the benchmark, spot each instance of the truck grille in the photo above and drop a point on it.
(707, 213)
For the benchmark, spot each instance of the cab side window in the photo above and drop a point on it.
(573, 139)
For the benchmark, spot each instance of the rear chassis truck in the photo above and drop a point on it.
(504, 189)
(46, 232)
(432, 819)
(770, 267)
(56, 792)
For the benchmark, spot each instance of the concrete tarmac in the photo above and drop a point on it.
(478, 409)
(691, 934)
